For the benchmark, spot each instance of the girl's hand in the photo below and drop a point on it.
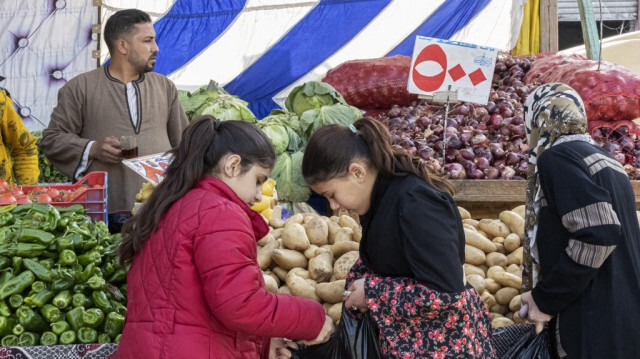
(356, 299)
(279, 348)
(533, 313)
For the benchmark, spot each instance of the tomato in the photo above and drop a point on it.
(23, 199)
(54, 194)
(7, 198)
(44, 198)
(77, 193)
(4, 186)
(16, 191)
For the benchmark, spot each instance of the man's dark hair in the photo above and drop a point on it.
(123, 23)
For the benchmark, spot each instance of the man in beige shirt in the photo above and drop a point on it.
(123, 98)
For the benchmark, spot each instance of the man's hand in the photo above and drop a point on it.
(107, 150)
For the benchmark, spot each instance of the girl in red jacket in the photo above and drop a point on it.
(195, 289)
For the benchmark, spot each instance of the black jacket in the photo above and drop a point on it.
(413, 230)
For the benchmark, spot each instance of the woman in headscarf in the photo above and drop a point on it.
(582, 251)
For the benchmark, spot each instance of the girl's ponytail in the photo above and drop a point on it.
(332, 148)
(204, 143)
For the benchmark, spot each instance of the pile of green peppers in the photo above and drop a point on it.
(60, 279)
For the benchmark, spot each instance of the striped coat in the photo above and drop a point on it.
(589, 247)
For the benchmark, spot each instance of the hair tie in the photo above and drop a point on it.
(353, 128)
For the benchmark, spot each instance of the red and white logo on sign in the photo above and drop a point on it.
(435, 53)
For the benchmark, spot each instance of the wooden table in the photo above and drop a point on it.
(487, 198)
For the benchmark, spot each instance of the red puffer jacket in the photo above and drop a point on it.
(196, 291)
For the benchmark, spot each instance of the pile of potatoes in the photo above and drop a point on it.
(493, 262)
(310, 256)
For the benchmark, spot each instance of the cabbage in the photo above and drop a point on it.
(312, 120)
(287, 173)
(312, 95)
(278, 136)
(215, 101)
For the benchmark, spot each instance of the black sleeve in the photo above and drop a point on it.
(430, 229)
(587, 214)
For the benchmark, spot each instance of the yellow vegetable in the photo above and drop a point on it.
(267, 213)
(267, 188)
(264, 203)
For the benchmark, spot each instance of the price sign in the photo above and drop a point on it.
(150, 167)
(437, 64)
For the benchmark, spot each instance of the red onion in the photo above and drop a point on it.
(467, 154)
(482, 163)
(492, 173)
(507, 173)
(455, 171)
(512, 159)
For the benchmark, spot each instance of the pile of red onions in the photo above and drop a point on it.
(622, 145)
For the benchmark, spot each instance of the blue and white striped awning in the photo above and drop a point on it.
(260, 49)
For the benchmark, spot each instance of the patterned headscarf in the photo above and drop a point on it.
(554, 114)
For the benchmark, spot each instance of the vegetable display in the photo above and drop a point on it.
(60, 280)
(215, 101)
(48, 173)
(40, 194)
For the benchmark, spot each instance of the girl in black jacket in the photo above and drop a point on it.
(410, 275)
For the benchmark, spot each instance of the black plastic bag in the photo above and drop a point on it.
(530, 346)
(353, 339)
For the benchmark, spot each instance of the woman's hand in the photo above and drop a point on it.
(279, 348)
(533, 312)
(327, 329)
(356, 299)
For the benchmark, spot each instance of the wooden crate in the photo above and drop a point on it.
(487, 198)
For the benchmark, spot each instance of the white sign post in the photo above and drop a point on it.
(451, 71)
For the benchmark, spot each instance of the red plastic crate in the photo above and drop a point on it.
(94, 200)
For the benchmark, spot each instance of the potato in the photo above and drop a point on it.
(331, 292)
(483, 267)
(491, 285)
(514, 221)
(497, 308)
(517, 319)
(468, 226)
(498, 240)
(326, 307)
(344, 263)
(508, 280)
(334, 228)
(335, 312)
(349, 222)
(504, 295)
(284, 290)
(500, 248)
(464, 214)
(334, 219)
(289, 259)
(325, 219)
(472, 222)
(512, 242)
(272, 275)
(494, 228)
(321, 266)
(473, 255)
(477, 282)
(294, 237)
(493, 270)
(276, 223)
(311, 251)
(308, 217)
(515, 257)
(509, 315)
(493, 316)
(501, 322)
(266, 239)
(277, 233)
(483, 233)
(300, 272)
(317, 231)
(265, 255)
(270, 284)
(470, 269)
(515, 304)
(520, 210)
(340, 248)
(301, 287)
(475, 239)
(312, 282)
(296, 218)
(515, 269)
(280, 272)
(357, 235)
(496, 259)
(343, 235)
(488, 299)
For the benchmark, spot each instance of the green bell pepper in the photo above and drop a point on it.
(28, 250)
(93, 256)
(31, 320)
(38, 269)
(5, 262)
(83, 276)
(62, 300)
(36, 236)
(67, 257)
(123, 290)
(80, 300)
(87, 335)
(47, 263)
(15, 301)
(96, 282)
(10, 341)
(68, 337)
(17, 329)
(93, 317)
(17, 264)
(81, 288)
(101, 301)
(5, 219)
(48, 338)
(4, 309)
(38, 286)
(104, 338)
(117, 339)
(113, 324)
(51, 313)
(17, 284)
(64, 243)
(5, 276)
(6, 326)
(74, 317)
(39, 299)
(60, 327)
(28, 339)
(118, 308)
(63, 280)
(119, 276)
